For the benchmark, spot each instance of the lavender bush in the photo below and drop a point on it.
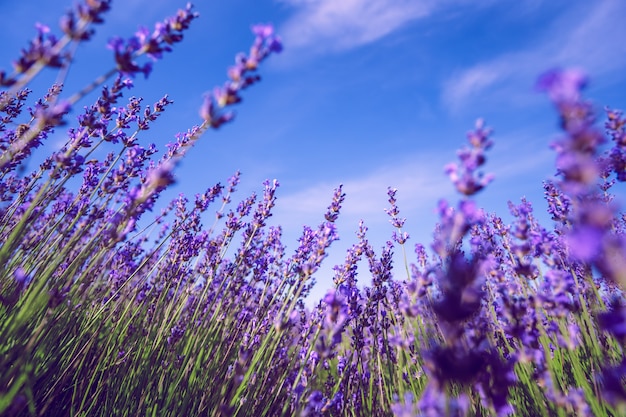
(108, 310)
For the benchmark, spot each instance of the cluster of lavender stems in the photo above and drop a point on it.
(108, 308)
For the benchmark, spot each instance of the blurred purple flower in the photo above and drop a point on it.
(22, 278)
(613, 387)
(313, 404)
(585, 243)
(464, 176)
(88, 12)
(405, 408)
(454, 225)
(435, 403)
(616, 127)
(614, 319)
(562, 85)
(124, 57)
(461, 289)
(41, 49)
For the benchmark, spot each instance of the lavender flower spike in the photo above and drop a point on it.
(153, 44)
(562, 85)
(465, 177)
(241, 76)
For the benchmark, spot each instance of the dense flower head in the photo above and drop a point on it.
(88, 12)
(461, 287)
(47, 112)
(406, 407)
(616, 128)
(399, 236)
(336, 308)
(465, 177)
(346, 274)
(614, 319)
(46, 50)
(241, 75)
(40, 49)
(454, 224)
(433, 404)
(12, 108)
(153, 43)
(563, 86)
(559, 204)
(333, 210)
(612, 380)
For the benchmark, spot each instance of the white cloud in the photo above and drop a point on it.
(343, 24)
(589, 36)
(598, 39)
(420, 182)
(470, 82)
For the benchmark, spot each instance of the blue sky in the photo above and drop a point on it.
(370, 94)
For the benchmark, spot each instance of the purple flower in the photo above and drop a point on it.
(152, 44)
(406, 408)
(397, 222)
(616, 127)
(435, 403)
(41, 49)
(562, 86)
(579, 171)
(614, 320)
(585, 243)
(264, 44)
(464, 176)
(47, 50)
(454, 225)
(336, 308)
(333, 210)
(612, 380)
(559, 204)
(590, 238)
(90, 11)
(53, 115)
(460, 285)
(22, 278)
(263, 31)
(124, 55)
(47, 113)
(314, 403)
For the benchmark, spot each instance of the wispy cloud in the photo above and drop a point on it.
(340, 25)
(420, 181)
(470, 82)
(588, 36)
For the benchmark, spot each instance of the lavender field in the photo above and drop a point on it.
(114, 302)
